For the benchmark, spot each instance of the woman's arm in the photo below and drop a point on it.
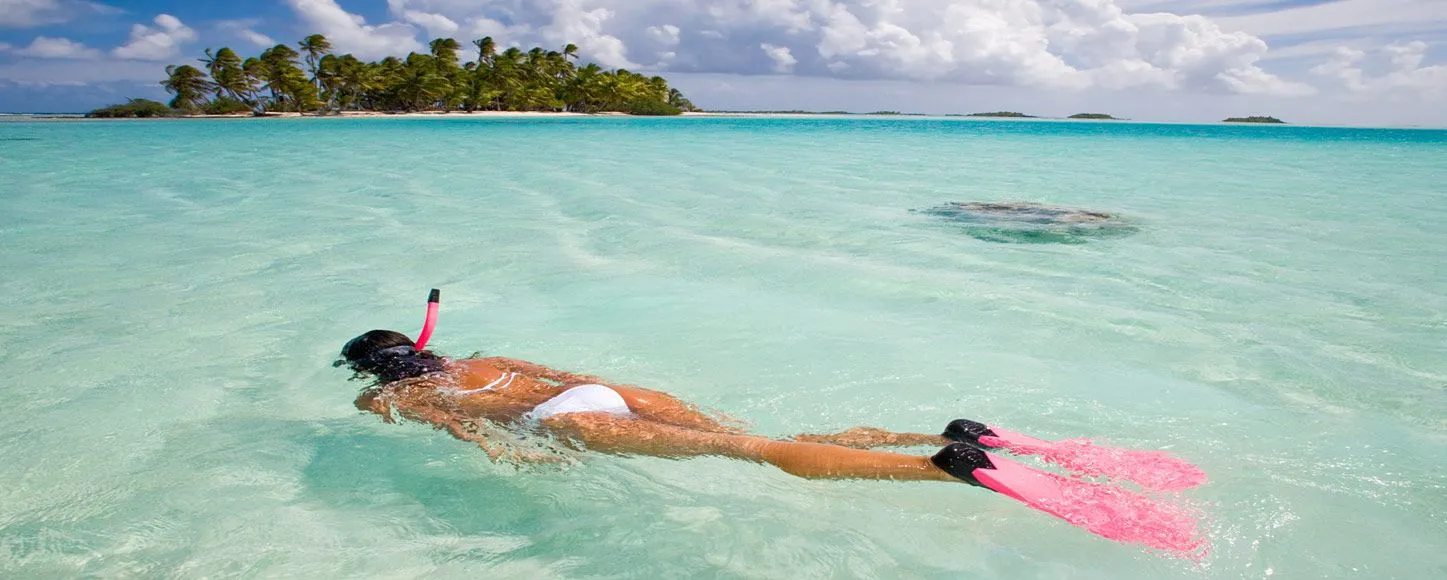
(370, 401)
(422, 410)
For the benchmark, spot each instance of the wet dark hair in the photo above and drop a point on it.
(389, 355)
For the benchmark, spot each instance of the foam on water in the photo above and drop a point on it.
(175, 292)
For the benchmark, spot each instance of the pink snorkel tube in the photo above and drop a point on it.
(434, 301)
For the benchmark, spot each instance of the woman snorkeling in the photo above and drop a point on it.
(591, 413)
(587, 412)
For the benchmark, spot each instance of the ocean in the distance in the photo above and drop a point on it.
(173, 293)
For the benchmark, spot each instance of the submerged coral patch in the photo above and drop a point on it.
(1024, 222)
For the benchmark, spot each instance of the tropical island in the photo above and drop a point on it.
(135, 109)
(1097, 116)
(1272, 120)
(1004, 114)
(275, 82)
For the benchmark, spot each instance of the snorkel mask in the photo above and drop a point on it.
(398, 360)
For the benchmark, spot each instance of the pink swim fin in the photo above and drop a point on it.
(1107, 511)
(1153, 470)
(1031, 486)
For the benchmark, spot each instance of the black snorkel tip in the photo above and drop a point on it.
(434, 297)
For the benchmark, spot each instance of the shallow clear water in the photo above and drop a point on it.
(173, 294)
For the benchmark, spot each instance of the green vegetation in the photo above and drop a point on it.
(1101, 116)
(1254, 120)
(651, 107)
(1006, 114)
(310, 78)
(226, 106)
(138, 108)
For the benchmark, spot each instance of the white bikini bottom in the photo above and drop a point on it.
(581, 399)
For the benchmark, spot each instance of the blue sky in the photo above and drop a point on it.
(1361, 62)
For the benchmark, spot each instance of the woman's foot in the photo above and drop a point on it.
(967, 431)
(961, 460)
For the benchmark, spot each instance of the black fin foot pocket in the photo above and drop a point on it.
(967, 431)
(961, 460)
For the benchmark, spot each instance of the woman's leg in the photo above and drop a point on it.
(623, 435)
(871, 437)
(663, 408)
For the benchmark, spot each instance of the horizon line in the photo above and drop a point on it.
(915, 115)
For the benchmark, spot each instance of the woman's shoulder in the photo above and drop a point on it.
(492, 360)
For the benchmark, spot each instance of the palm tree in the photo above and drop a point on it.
(486, 48)
(189, 85)
(216, 64)
(287, 83)
(314, 47)
(228, 75)
(348, 80)
(212, 65)
(582, 91)
(477, 90)
(346, 84)
(420, 85)
(658, 87)
(445, 51)
(328, 75)
(508, 77)
(253, 71)
(676, 98)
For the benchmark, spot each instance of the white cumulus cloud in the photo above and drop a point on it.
(1376, 16)
(666, 34)
(159, 43)
(257, 38)
(31, 13)
(784, 61)
(436, 25)
(503, 34)
(1393, 71)
(350, 33)
(1057, 44)
(61, 48)
(246, 30)
(582, 22)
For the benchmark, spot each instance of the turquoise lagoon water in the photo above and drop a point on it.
(173, 294)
